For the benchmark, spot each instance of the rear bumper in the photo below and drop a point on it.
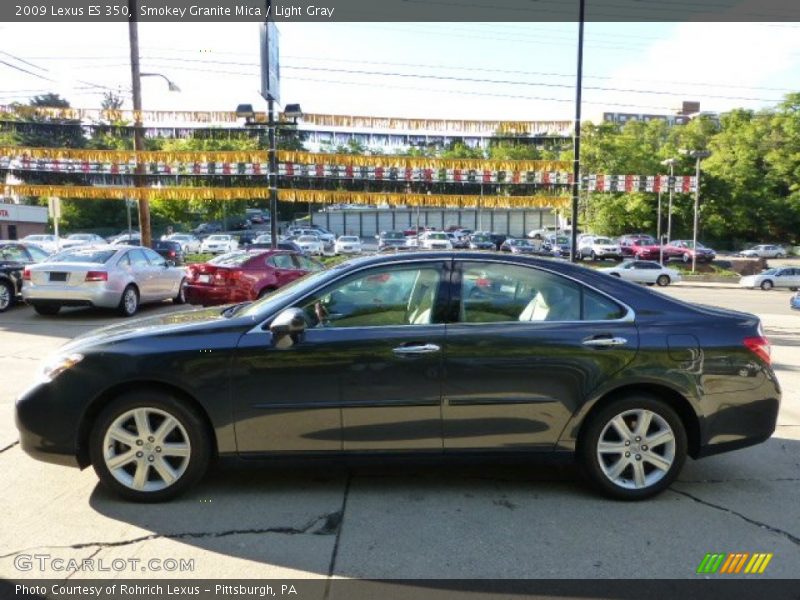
(207, 295)
(740, 426)
(71, 296)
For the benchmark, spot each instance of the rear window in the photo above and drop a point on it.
(233, 259)
(167, 246)
(96, 257)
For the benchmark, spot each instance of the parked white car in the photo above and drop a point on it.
(783, 277)
(435, 240)
(48, 243)
(189, 243)
(219, 244)
(764, 251)
(82, 239)
(109, 276)
(644, 271)
(348, 244)
(310, 244)
(598, 248)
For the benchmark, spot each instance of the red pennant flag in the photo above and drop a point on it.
(628, 183)
(378, 172)
(409, 173)
(257, 168)
(289, 169)
(428, 173)
(601, 183)
(226, 168)
(456, 174)
(487, 176)
(348, 171)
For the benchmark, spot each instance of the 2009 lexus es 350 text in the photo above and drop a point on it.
(437, 353)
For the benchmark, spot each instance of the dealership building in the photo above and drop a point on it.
(19, 220)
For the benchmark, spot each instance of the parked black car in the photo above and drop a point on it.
(171, 251)
(427, 352)
(498, 239)
(13, 258)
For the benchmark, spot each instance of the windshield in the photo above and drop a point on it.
(348, 238)
(480, 238)
(234, 259)
(603, 241)
(80, 236)
(218, 238)
(393, 235)
(437, 236)
(178, 236)
(84, 256)
(264, 239)
(307, 238)
(769, 272)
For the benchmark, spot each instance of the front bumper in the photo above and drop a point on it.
(46, 432)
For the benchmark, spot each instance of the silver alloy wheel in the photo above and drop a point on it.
(146, 449)
(636, 449)
(5, 296)
(130, 301)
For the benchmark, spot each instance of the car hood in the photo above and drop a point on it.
(184, 321)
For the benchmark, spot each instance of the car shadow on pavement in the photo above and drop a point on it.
(384, 519)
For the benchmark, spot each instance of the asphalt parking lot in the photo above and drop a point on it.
(405, 521)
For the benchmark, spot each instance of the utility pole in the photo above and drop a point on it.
(576, 165)
(138, 134)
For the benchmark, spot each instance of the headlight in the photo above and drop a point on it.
(58, 364)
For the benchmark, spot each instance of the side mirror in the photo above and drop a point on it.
(287, 326)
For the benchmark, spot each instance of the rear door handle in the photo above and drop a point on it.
(416, 349)
(605, 342)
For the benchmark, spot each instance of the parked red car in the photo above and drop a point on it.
(684, 250)
(641, 247)
(242, 276)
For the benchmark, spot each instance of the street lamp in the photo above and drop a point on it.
(171, 85)
(698, 155)
(293, 111)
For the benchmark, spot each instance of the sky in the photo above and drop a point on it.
(491, 71)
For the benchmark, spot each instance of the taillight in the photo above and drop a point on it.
(223, 276)
(172, 252)
(96, 276)
(760, 347)
(26, 274)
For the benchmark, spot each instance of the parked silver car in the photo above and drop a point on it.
(764, 251)
(111, 276)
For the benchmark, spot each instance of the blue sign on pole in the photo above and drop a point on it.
(270, 62)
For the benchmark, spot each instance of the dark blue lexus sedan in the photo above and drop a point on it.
(436, 353)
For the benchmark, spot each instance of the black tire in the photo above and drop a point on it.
(663, 280)
(194, 426)
(617, 275)
(792, 289)
(8, 295)
(129, 301)
(181, 297)
(47, 309)
(687, 258)
(623, 407)
(594, 255)
(767, 285)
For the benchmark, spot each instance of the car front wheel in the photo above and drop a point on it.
(633, 448)
(149, 447)
(767, 285)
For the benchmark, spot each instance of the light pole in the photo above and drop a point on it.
(698, 155)
(670, 162)
(576, 165)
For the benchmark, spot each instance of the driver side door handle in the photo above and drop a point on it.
(412, 350)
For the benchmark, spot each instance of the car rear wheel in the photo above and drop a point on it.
(149, 447)
(687, 258)
(663, 280)
(7, 295)
(594, 255)
(47, 309)
(633, 448)
(181, 297)
(129, 302)
(767, 285)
